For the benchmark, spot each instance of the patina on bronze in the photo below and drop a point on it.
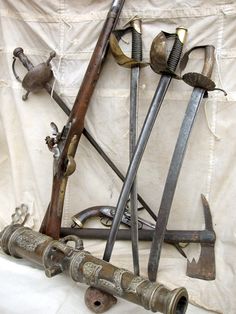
(57, 257)
(65, 142)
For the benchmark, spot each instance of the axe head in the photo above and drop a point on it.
(205, 267)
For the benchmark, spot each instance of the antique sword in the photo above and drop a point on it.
(134, 81)
(35, 75)
(201, 83)
(145, 133)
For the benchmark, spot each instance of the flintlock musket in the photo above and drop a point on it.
(64, 144)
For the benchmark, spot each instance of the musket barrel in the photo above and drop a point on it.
(57, 257)
(64, 164)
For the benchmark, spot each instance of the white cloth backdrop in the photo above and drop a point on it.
(71, 28)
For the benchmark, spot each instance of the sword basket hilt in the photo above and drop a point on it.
(37, 76)
(158, 52)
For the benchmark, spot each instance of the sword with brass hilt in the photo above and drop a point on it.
(136, 55)
(134, 62)
(58, 257)
(166, 67)
(202, 83)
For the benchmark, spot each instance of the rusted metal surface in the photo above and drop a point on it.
(171, 236)
(37, 77)
(57, 257)
(98, 301)
(205, 267)
(206, 236)
(71, 133)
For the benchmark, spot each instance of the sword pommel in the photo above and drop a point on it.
(181, 32)
(136, 23)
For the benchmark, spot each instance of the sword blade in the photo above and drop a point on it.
(136, 159)
(145, 133)
(171, 181)
(135, 72)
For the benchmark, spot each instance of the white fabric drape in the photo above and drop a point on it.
(71, 28)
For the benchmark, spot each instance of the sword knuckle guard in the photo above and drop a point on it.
(201, 80)
(57, 257)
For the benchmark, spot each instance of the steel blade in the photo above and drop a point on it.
(135, 72)
(136, 159)
(171, 181)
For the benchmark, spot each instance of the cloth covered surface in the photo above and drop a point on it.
(71, 28)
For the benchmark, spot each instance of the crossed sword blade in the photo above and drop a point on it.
(171, 183)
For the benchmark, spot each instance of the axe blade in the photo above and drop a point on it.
(205, 267)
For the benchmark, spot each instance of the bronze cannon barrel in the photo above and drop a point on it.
(56, 256)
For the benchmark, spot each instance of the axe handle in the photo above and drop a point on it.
(171, 236)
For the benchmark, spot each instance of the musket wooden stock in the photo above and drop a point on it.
(64, 163)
